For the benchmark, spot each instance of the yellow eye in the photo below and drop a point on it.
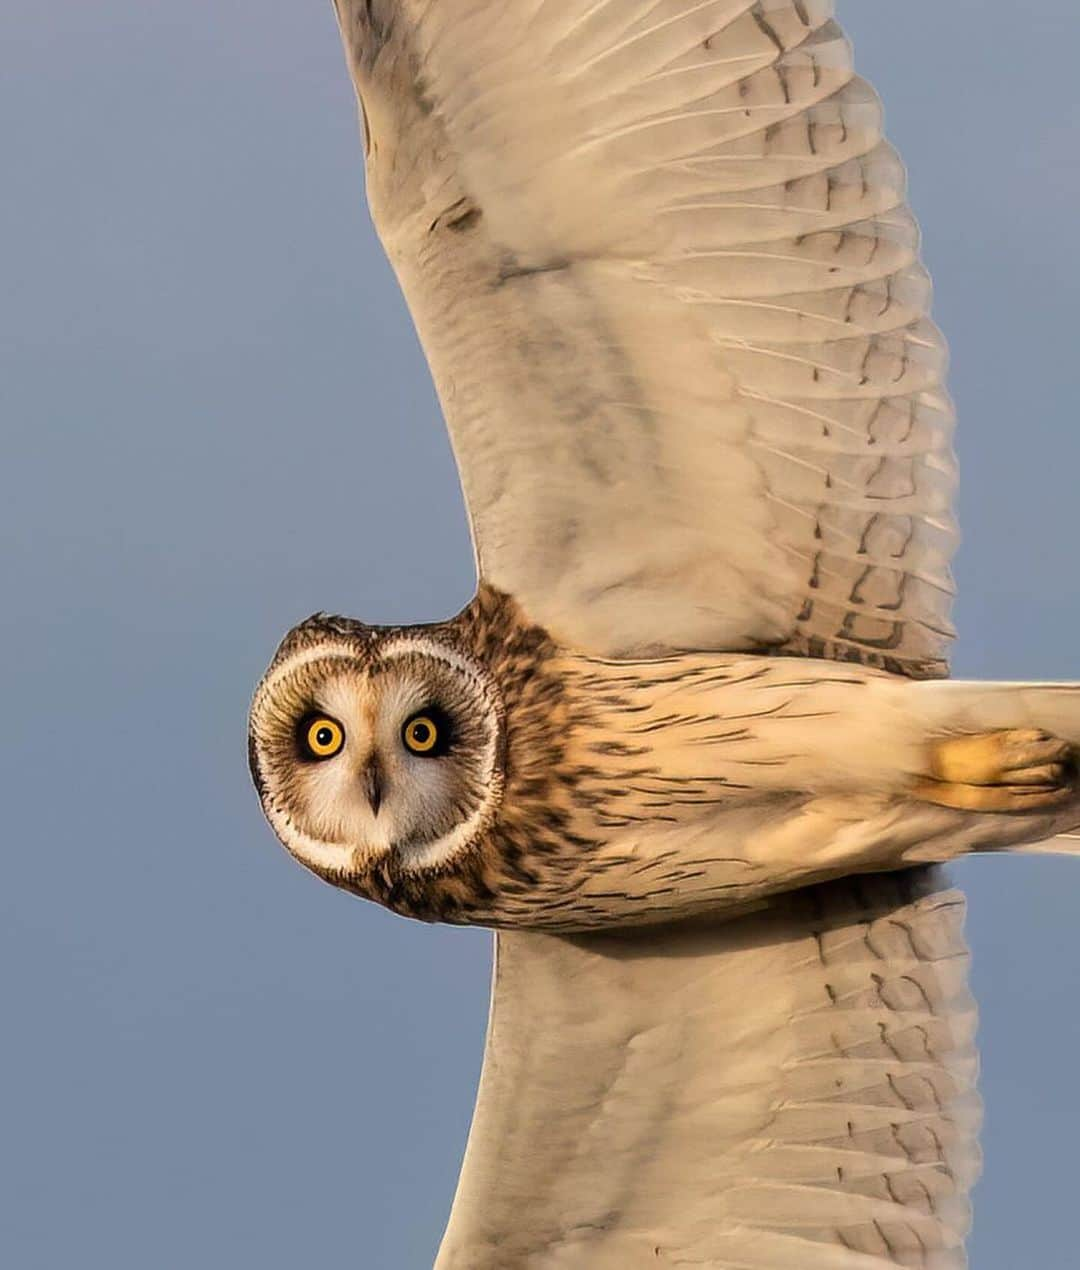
(421, 734)
(323, 737)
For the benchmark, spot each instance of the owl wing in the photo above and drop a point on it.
(660, 259)
(793, 1091)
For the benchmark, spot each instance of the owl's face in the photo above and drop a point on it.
(376, 750)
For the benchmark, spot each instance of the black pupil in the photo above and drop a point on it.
(324, 737)
(421, 733)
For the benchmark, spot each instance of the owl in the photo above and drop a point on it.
(480, 771)
(659, 255)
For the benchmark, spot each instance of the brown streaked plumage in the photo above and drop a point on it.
(613, 781)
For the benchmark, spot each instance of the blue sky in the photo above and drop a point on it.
(210, 1058)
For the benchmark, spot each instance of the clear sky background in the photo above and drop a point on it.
(215, 420)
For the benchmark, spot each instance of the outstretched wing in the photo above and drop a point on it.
(793, 1091)
(660, 259)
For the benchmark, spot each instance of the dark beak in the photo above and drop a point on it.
(372, 782)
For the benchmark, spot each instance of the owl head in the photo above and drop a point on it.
(378, 752)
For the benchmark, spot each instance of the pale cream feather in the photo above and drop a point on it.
(794, 1091)
(660, 259)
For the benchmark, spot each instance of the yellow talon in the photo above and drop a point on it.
(1015, 770)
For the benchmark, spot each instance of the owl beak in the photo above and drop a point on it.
(372, 782)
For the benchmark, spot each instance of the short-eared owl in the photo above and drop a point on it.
(659, 255)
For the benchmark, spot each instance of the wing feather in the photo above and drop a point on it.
(660, 257)
(789, 1091)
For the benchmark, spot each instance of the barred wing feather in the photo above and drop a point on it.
(659, 257)
(791, 1091)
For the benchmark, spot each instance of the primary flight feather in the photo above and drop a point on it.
(659, 256)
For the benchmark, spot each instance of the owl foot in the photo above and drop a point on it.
(1016, 770)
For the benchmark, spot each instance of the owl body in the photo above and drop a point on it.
(566, 791)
